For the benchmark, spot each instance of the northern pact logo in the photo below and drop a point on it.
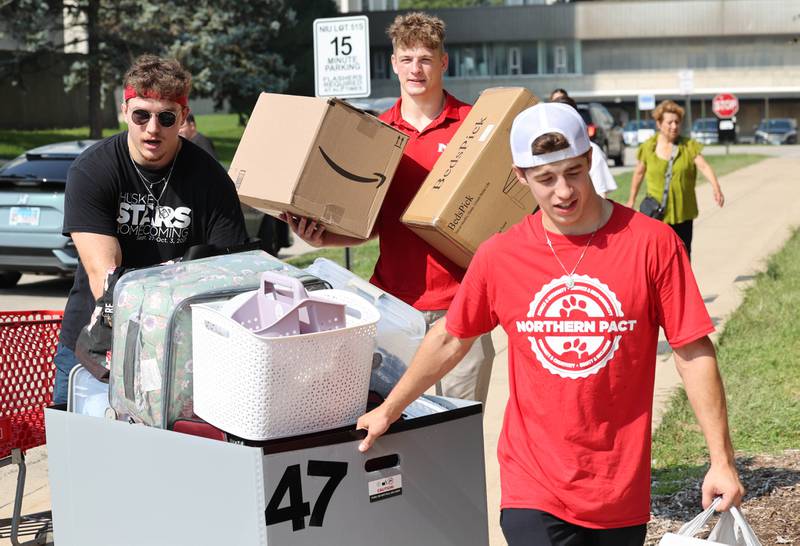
(574, 332)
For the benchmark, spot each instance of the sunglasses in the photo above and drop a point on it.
(165, 119)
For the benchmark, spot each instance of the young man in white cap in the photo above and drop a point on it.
(581, 288)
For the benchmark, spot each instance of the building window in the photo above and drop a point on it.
(530, 58)
(560, 65)
(469, 60)
(380, 64)
(498, 59)
(379, 5)
(561, 57)
(514, 61)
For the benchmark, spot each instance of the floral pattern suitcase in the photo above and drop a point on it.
(151, 361)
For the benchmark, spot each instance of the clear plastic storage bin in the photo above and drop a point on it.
(87, 395)
(400, 330)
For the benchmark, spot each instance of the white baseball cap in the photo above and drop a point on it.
(543, 118)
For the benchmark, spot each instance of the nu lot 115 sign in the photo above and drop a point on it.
(341, 57)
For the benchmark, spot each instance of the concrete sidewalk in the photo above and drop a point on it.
(730, 245)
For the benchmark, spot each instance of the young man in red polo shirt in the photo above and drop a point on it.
(581, 287)
(408, 267)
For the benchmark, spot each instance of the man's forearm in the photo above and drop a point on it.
(697, 366)
(636, 181)
(98, 254)
(438, 354)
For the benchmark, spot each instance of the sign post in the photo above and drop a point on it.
(725, 106)
(341, 62)
(686, 86)
(341, 57)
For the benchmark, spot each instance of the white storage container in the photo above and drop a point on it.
(87, 395)
(400, 330)
(260, 388)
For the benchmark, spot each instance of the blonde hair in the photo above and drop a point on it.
(668, 107)
(415, 29)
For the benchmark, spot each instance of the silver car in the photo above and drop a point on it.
(777, 131)
(636, 132)
(704, 130)
(32, 212)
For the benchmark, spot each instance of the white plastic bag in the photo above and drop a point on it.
(731, 530)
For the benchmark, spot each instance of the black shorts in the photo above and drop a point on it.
(527, 527)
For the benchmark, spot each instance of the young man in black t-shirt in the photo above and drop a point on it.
(141, 197)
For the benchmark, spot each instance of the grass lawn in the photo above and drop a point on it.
(223, 129)
(722, 165)
(14, 143)
(362, 258)
(758, 353)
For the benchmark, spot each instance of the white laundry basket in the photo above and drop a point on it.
(259, 388)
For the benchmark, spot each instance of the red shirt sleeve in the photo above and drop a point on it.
(471, 313)
(679, 306)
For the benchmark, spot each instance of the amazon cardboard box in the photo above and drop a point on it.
(319, 158)
(472, 192)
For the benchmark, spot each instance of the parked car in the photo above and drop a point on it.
(376, 107)
(704, 130)
(777, 131)
(636, 132)
(32, 215)
(603, 130)
(32, 212)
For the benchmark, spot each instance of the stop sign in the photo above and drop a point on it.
(725, 105)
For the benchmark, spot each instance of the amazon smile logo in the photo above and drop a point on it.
(380, 178)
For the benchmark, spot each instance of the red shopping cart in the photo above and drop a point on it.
(28, 342)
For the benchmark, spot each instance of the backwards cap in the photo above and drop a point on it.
(543, 118)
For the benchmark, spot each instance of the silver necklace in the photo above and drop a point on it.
(162, 211)
(570, 279)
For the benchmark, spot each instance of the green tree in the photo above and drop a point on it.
(439, 4)
(297, 43)
(230, 48)
(227, 44)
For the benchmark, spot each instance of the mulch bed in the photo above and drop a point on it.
(771, 504)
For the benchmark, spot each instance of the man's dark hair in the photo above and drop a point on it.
(552, 142)
(558, 91)
(152, 75)
(566, 99)
(548, 143)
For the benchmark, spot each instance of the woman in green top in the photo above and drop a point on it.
(653, 157)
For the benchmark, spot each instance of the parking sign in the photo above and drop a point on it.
(647, 101)
(341, 57)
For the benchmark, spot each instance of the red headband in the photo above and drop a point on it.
(130, 93)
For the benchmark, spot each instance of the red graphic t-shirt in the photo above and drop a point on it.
(408, 267)
(576, 434)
